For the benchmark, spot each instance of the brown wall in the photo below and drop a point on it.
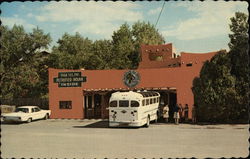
(57, 94)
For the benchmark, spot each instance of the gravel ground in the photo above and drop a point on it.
(94, 139)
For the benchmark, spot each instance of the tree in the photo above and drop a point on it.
(72, 52)
(18, 57)
(214, 90)
(238, 53)
(101, 55)
(127, 42)
(221, 93)
(123, 47)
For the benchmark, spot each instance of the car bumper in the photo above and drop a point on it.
(7, 119)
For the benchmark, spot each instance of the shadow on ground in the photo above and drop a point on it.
(10, 123)
(102, 124)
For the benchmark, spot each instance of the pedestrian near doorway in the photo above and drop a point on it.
(181, 113)
(176, 114)
(166, 113)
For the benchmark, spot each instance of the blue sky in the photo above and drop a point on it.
(191, 26)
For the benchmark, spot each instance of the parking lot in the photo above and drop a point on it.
(94, 139)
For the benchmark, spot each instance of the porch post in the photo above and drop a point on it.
(102, 105)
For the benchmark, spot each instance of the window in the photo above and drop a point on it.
(143, 102)
(158, 100)
(147, 101)
(65, 104)
(123, 103)
(36, 109)
(189, 64)
(134, 103)
(154, 100)
(25, 110)
(113, 103)
(151, 101)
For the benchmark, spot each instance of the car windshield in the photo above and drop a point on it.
(25, 110)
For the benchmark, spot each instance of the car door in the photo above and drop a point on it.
(40, 113)
(33, 114)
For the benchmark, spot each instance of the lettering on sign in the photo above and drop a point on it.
(70, 79)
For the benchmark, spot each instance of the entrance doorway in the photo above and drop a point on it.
(92, 106)
(168, 98)
(96, 105)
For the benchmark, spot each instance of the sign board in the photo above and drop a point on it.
(70, 79)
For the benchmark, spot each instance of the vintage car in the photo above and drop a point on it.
(26, 114)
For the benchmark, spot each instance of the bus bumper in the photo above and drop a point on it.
(124, 124)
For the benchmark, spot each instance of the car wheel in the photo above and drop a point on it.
(148, 122)
(29, 120)
(46, 117)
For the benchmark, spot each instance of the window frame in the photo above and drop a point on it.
(67, 104)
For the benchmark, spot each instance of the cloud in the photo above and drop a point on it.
(213, 19)
(10, 21)
(91, 17)
(154, 11)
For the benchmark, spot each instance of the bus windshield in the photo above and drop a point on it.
(123, 103)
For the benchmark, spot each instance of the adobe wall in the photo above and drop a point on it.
(180, 78)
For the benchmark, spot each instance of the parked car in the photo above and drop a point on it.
(26, 114)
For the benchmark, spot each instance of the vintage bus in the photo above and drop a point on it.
(133, 108)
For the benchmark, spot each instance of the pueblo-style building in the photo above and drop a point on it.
(84, 94)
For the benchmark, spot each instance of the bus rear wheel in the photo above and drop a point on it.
(157, 116)
(148, 122)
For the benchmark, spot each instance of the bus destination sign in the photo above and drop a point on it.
(70, 79)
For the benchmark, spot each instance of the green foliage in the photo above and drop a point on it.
(72, 52)
(214, 89)
(123, 47)
(122, 52)
(222, 91)
(238, 53)
(19, 61)
(24, 67)
(127, 41)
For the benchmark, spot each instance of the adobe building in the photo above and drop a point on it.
(84, 94)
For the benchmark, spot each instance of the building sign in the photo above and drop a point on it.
(131, 78)
(70, 79)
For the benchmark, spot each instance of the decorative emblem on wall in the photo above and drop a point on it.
(131, 78)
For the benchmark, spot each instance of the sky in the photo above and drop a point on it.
(196, 27)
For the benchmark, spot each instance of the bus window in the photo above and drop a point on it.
(134, 103)
(158, 100)
(147, 101)
(113, 103)
(151, 101)
(154, 100)
(143, 102)
(123, 103)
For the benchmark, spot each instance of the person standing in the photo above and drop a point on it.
(166, 113)
(176, 114)
(186, 112)
(181, 113)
